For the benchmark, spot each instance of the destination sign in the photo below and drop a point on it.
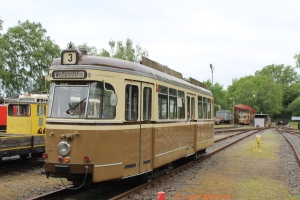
(80, 74)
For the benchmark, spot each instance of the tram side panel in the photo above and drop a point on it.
(169, 144)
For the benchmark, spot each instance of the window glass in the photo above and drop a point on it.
(188, 101)
(173, 103)
(147, 103)
(41, 110)
(204, 107)
(131, 102)
(200, 108)
(193, 108)
(209, 110)
(181, 105)
(99, 101)
(18, 110)
(82, 100)
(162, 102)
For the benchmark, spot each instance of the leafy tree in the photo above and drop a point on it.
(283, 75)
(26, 54)
(219, 95)
(297, 58)
(1, 27)
(269, 96)
(294, 107)
(291, 93)
(117, 50)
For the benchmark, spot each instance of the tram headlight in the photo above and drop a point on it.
(64, 148)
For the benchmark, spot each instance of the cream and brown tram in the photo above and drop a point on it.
(112, 119)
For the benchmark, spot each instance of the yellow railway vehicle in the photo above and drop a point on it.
(113, 119)
(26, 126)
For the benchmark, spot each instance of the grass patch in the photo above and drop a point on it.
(269, 142)
(263, 188)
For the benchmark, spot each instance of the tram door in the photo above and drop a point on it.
(138, 112)
(191, 126)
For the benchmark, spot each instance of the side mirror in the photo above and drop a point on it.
(113, 99)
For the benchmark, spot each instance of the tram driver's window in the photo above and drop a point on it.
(18, 110)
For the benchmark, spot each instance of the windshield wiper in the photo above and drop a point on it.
(68, 111)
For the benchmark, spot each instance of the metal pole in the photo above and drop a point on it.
(212, 75)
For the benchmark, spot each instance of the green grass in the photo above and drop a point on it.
(263, 188)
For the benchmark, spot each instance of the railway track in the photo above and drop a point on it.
(294, 141)
(16, 164)
(112, 190)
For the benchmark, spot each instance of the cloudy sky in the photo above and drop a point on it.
(237, 37)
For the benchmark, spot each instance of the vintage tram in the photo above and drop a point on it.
(26, 126)
(113, 119)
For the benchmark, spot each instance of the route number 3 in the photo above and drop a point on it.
(69, 58)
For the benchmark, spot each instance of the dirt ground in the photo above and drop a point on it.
(235, 173)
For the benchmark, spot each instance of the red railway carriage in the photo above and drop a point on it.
(114, 119)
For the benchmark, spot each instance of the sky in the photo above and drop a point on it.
(236, 37)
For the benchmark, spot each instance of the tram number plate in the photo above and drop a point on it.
(62, 168)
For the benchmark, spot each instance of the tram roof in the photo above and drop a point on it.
(244, 107)
(131, 66)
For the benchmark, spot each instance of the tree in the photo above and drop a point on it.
(1, 27)
(26, 54)
(291, 93)
(283, 75)
(117, 50)
(219, 95)
(269, 96)
(127, 52)
(294, 107)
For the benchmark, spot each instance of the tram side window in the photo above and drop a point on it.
(131, 102)
(188, 101)
(147, 103)
(200, 108)
(18, 110)
(99, 101)
(181, 105)
(41, 110)
(173, 103)
(193, 108)
(204, 107)
(162, 102)
(209, 110)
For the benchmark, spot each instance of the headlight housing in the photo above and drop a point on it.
(64, 148)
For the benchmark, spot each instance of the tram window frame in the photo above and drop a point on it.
(192, 107)
(131, 102)
(209, 109)
(204, 107)
(147, 103)
(200, 107)
(188, 101)
(180, 105)
(172, 103)
(162, 102)
(19, 110)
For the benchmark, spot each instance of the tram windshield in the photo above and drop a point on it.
(82, 100)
